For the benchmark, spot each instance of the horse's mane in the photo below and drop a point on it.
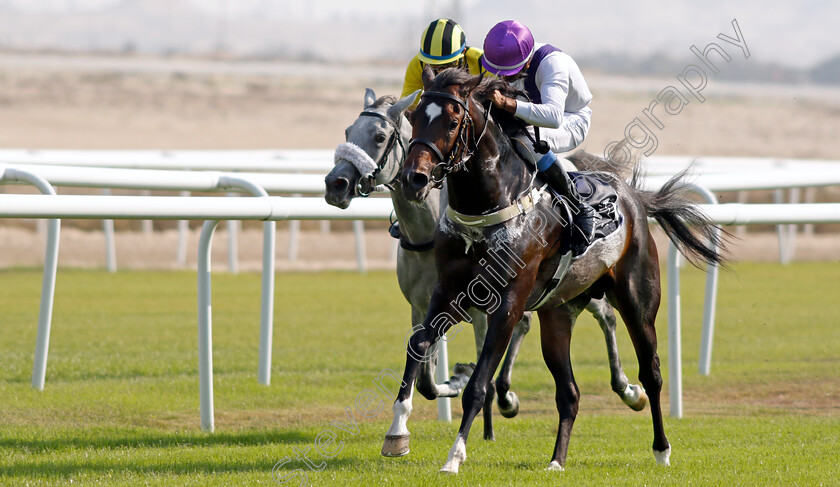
(460, 76)
(617, 162)
(387, 99)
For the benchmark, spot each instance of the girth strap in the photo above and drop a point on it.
(395, 232)
(534, 302)
(425, 247)
(519, 207)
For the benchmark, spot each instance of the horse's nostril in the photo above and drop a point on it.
(419, 180)
(340, 184)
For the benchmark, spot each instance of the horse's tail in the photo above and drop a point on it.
(694, 234)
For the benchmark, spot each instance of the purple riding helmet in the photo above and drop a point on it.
(507, 48)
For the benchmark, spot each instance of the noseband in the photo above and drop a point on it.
(366, 184)
(461, 151)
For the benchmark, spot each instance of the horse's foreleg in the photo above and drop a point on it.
(479, 321)
(426, 384)
(508, 402)
(499, 330)
(631, 394)
(438, 320)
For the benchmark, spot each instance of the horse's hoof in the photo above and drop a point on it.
(458, 381)
(663, 457)
(450, 388)
(511, 409)
(635, 397)
(554, 466)
(451, 467)
(395, 446)
(455, 384)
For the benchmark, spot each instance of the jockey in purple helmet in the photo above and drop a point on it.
(558, 103)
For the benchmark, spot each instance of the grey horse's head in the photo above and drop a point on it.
(374, 149)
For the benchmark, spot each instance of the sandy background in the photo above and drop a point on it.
(140, 103)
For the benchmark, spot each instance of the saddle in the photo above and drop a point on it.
(594, 189)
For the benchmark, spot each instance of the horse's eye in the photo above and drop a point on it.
(380, 138)
(453, 125)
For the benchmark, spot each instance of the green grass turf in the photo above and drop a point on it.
(120, 406)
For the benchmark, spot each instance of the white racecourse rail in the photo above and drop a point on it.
(321, 161)
(269, 208)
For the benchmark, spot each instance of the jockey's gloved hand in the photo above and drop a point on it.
(541, 147)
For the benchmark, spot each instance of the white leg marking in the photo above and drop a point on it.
(402, 410)
(396, 439)
(663, 457)
(555, 466)
(457, 455)
(432, 111)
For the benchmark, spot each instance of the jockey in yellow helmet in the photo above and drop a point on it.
(442, 45)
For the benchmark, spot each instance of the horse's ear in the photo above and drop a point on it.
(370, 97)
(428, 77)
(399, 107)
(468, 87)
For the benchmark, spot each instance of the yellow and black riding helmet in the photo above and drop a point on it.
(443, 42)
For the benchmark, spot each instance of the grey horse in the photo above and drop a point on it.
(372, 157)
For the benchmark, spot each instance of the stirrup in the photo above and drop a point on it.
(584, 226)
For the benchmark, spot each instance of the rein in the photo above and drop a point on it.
(366, 184)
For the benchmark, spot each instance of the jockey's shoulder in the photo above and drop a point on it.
(473, 55)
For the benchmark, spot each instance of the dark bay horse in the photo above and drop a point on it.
(499, 265)
(373, 155)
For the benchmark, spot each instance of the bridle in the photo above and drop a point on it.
(366, 184)
(461, 152)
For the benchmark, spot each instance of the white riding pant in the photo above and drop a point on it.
(565, 138)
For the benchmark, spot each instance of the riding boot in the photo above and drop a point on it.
(584, 215)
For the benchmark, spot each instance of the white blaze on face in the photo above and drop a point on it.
(433, 110)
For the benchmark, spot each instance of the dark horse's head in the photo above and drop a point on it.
(448, 127)
(373, 153)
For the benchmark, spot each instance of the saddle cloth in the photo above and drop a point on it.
(595, 189)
